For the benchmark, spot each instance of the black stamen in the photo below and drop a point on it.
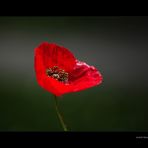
(57, 73)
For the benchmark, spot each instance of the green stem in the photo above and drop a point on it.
(59, 115)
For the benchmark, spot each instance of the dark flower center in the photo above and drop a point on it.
(57, 73)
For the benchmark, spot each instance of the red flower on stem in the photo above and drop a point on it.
(59, 72)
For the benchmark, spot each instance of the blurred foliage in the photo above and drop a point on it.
(30, 108)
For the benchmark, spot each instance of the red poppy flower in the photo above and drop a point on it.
(59, 72)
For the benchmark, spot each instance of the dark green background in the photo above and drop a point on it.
(117, 46)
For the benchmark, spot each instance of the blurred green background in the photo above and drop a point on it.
(116, 45)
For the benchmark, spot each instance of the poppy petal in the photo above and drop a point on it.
(53, 86)
(84, 76)
(54, 55)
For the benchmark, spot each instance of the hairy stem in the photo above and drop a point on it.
(59, 114)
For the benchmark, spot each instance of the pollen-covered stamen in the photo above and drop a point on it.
(57, 73)
(49, 72)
